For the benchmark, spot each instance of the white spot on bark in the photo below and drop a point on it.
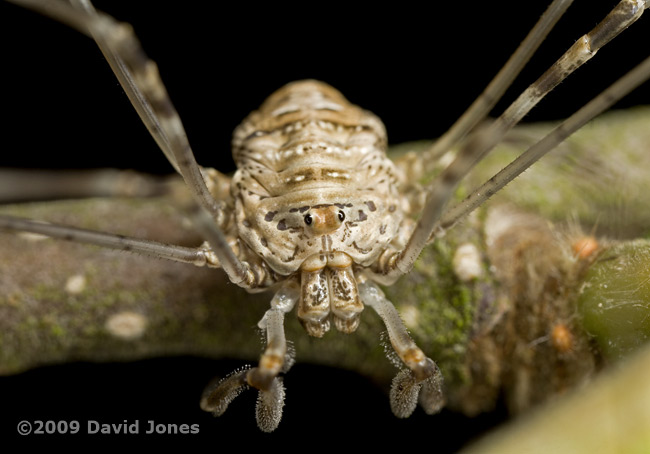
(29, 236)
(447, 159)
(126, 325)
(75, 284)
(467, 262)
(410, 315)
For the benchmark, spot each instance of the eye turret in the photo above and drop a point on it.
(324, 219)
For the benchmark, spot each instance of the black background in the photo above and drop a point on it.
(418, 69)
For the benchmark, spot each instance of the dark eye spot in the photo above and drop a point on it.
(308, 219)
(341, 216)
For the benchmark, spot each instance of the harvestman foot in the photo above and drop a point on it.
(420, 382)
(277, 358)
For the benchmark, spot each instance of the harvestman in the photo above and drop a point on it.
(316, 210)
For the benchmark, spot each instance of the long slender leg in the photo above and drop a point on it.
(141, 80)
(258, 275)
(196, 256)
(605, 100)
(495, 89)
(422, 380)
(264, 377)
(441, 190)
(148, 93)
(133, 91)
(17, 185)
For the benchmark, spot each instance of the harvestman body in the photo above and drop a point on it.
(316, 210)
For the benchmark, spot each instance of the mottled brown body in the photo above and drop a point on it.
(315, 195)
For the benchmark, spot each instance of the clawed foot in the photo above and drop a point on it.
(277, 358)
(407, 390)
(270, 401)
(421, 380)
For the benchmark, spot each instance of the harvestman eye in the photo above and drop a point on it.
(308, 219)
(341, 216)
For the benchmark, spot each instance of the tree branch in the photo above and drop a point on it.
(509, 322)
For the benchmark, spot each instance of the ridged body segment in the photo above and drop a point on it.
(308, 148)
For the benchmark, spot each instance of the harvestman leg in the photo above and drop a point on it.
(602, 102)
(140, 79)
(18, 185)
(423, 377)
(424, 373)
(482, 105)
(397, 263)
(200, 256)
